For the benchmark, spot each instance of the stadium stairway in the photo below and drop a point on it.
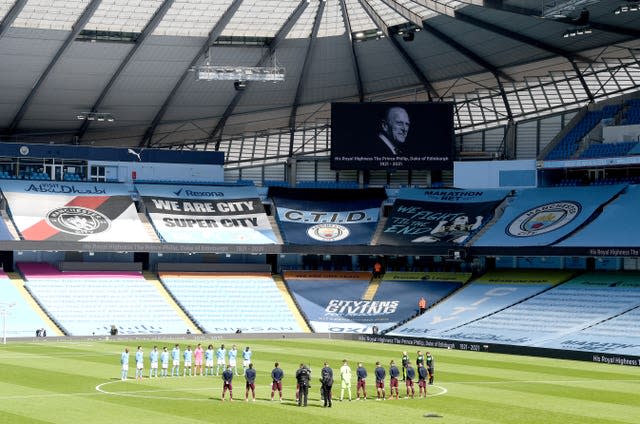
(291, 303)
(18, 282)
(374, 285)
(275, 228)
(148, 227)
(381, 224)
(9, 223)
(188, 320)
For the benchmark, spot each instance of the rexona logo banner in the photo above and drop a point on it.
(543, 216)
(207, 214)
(439, 217)
(321, 216)
(68, 211)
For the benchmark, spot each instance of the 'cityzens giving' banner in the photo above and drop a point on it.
(320, 216)
(207, 214)
(543, 216)
(439, 217)
(73, 211)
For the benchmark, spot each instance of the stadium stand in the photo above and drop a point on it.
(226, 302)
(88, 303)
(23, 316)
(575, 305)
(490, 293)
(568, 145)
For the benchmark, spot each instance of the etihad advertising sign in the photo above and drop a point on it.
(308, 216)
(207, 214)
(73, 211)
(439, 217)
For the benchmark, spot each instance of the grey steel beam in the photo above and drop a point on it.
(213, 36)
(75, 30)
(216, 133)
(11, 16)
(405, 12)
(408, 60)
(354, 56)
(148, 29)
(583, 82)
(303, 74)
(465, 51)
(462, 15)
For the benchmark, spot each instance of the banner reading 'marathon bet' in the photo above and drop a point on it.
(72, 211)
(439, 216)
(321, 216)
(207, 214)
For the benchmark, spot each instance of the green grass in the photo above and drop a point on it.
(55, 382)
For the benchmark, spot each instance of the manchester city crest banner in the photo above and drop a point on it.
(73, 211)
(323, 216)
(207, 214)
(543, 216)
(438, 216)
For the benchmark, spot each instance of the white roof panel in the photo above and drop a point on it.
(259, 18)
(194, 18)
(123, 15)
(358, 17)
(332, 23)
(304, 24)
(50, 14)
(388, 15)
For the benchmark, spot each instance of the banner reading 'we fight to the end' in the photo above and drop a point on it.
(439, 216)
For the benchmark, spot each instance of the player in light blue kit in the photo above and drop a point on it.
(186, 356)
(233, 359)
(164, 360)
(175, 357)
(139, 363)
(153, 362)
(246, 358)
(221, 354)
(208, 361)
(124, 362)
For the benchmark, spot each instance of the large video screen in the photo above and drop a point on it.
(392, 136)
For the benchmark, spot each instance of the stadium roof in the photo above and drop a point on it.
(134, 61)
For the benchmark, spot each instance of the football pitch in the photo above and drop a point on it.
(79, 382)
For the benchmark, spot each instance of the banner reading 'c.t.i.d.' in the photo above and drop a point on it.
(320, 216)
(439, 216)
(207, 214)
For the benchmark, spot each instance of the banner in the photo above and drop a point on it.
(319, 216)
(439, 217)
(60, 211)
(207, 214)
(543, 216)
(617, 226)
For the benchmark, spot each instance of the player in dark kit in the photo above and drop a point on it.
(276, 376)
(326, 378)
(380, 375)
(411, 375)
(423, 374)
(227, 378)
(419, 359)
(394, 373)
(250, 376)
(361, 374)
(405, 361)
(430, 366)
(303, 377)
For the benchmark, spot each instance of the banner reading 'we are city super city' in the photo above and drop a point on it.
(439, 216)
(320, 216)
(73, 211)
(207, 214)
